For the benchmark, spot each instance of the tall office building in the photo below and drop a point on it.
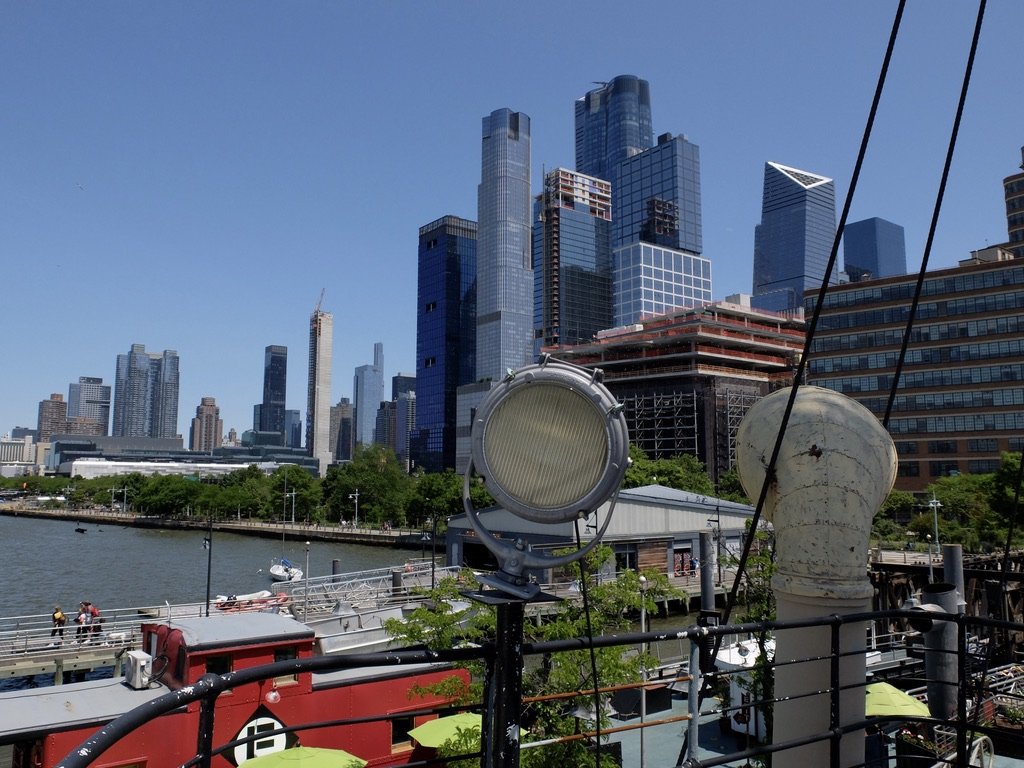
(874, 248)
(405, 425)
(318, 392)
(504, 298)
(613, 123)
(657, 237)
(341, 430)
(89, 406)
(445, 335)
(651, 280)
(1013, 191)
(794, 239)
(656, 196)
(572, 259)
(53, 417)
(367, 395)
(293, 428)
(401, 383)
(504, 266)
(207, 430)
(275, 383)
(146, 394)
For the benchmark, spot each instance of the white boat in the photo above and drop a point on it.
(285, 571)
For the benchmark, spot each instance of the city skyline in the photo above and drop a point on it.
(159, 165)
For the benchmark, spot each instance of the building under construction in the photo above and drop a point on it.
(687, 379)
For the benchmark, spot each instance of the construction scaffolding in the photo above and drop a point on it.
(731, 405)
(663, 424)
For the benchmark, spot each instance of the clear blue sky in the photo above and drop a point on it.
(190, 176)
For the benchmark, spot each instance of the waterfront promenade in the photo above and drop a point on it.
(407, 538)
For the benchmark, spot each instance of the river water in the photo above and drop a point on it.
(46, 562)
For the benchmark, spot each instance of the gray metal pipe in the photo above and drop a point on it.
(707, 571)
(940, 659)
(953, 567)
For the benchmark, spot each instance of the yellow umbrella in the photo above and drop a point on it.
(885, 700)
(434, 733)
(306, 757)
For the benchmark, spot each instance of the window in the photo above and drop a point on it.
(218, 665)
(400, 727)
(286, 654)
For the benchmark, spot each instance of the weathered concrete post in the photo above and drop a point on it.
(835, 468)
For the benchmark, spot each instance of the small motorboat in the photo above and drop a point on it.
(285, 571)
(263, 600)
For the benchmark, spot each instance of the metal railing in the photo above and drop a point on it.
(952, 741)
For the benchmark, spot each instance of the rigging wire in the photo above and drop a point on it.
(585, 595)
(802, 364)
(935, 214)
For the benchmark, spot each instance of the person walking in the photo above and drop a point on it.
(59, 620)
(84, 621)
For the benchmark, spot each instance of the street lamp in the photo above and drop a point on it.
(208, 546)
(643, 666)
(305, 604)
(935, 504)
(292, 494)
(931, 562)
(355, 497)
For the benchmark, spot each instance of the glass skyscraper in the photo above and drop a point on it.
(504, 324)
(146, 394)
(793, 241)
(1013, 194)
(656, 201)
(572, 258)
(613, 123)
(874, 248)
(657, 196)
(367, 395)
(275, 382)
(653, 280)
(445, 336)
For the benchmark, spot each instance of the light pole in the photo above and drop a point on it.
(643, 666)
(124, 501)
(355, 496)
(931, 563)
(305, 602)
(208, 546)
(935, 504)
(433, 549)
(292, 494)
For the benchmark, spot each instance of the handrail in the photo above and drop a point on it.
(210, 686)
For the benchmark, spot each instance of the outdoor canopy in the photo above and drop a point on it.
(306, 757)
(885, 700)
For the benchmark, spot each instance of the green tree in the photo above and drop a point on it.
(614, 605)
(383, 488)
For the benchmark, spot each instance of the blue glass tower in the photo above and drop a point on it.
(275, 381)
(445, 336)
(504, 318)
(613, 123)
(572, 258)
(874, 248)
(793, 241)
(657, 197)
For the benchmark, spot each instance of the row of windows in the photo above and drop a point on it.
(932, 356)
(976, 422)
(975, 305)
(974, 445)
(901, 292)
(971, 399)
(937, 332)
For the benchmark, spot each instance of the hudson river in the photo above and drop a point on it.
(46, 562)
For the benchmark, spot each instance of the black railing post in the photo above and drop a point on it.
(833, 724)
(504, 697)
(204, 734)
(963, 675)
